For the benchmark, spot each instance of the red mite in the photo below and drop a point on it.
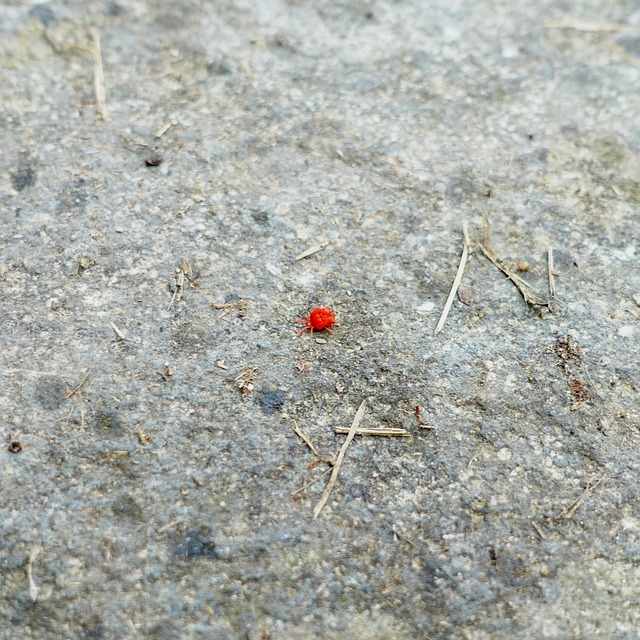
(319, 319)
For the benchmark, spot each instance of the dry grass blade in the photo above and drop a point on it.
(33, 588)
(310, 251)
(119, 334)
(389, 432)
(69, 393)
(539, 531)
(336, 467)
(583, 25)
(307, 440)
(98, 75)
(530, 296)
(570, 511)
(456, 282)
(240, 306)
(551, 271)
(305, 486)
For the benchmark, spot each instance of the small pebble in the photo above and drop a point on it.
(154, 160)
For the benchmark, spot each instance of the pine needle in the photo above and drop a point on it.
(336, 467)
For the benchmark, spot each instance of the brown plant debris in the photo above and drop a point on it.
(239, 306)
(579, 390)
(530, 296)
(383, 431)
(340, 459)
(244, 381)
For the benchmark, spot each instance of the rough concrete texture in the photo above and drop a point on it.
(160, 499)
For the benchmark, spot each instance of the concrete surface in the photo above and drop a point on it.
(159, 500)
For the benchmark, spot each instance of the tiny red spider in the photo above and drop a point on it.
(319, 319)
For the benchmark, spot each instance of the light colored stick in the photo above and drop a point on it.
(538, 530)
(582, 25)
(33, 588)
(570, 511)
(98, 76)
(456, 282)
(305, 438)
(310, 251)
(551, 269)
(69, 393)
(530, 296)
(163, 129)
(336, 467)
(391, 431)
(118, 333)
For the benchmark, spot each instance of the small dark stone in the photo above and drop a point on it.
(260, 217)
(44, 13)
(93, 629)
(114, 9)
(196, 544)
(126, 507)
(271, 400)
(15, 447)
(154, 160)
(24, 177)
(218, 68)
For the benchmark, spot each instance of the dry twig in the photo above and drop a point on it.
(570, 511)
(456, 281)
(310, 251)
(552, 273)
(538, 530)
(33, 588)
(98, 76)
(338, 464)
(530, 296)
(305, 438)
(583, 25)
(388, 431)
(69, 393)
(119, 334)
(183, 271)
(163, 129)
(245, 379)
(240, 306)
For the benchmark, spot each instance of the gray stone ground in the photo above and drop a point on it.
(159, 501)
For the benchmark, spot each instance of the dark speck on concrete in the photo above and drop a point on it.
(93, 629)
(44, 13)
(631, 44)
(271, 400)
(218, 68)
(196, 544)
(114, 9)
(23, 177)
(126, 507)
(154, 160)
(260, 217)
